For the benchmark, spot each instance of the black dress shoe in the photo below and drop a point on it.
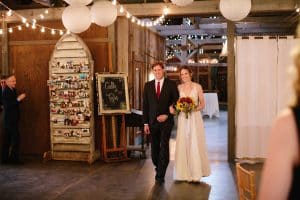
(17, 162)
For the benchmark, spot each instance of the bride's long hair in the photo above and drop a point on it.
(295, 71)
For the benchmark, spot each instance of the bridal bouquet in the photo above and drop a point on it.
(186, 105)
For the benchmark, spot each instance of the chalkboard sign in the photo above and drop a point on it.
(112, 93)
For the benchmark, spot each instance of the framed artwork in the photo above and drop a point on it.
(112, 93)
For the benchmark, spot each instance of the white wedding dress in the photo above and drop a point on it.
(191, 161)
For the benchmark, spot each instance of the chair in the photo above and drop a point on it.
(246, 183)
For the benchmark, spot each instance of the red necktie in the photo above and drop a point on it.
(158, 89)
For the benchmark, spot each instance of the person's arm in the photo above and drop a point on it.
(8, 99)
(282, 156)
(146, 111)
(201, 103)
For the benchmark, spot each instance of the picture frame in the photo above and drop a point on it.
(112, 89)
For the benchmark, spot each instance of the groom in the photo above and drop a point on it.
(159, 95)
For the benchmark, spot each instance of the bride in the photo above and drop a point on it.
(191, 161)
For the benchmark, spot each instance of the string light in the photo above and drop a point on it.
(53, 31)
(141, 22)
(25, 22)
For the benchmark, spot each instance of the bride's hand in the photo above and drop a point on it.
(198, 108)
(172, 110)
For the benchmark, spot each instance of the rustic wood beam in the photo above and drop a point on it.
(231, 91)
(197, 41)
(4, 43)
(217, 32)
(199, 64)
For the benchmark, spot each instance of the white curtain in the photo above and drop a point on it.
(256, 61)
(262, 90)
(284, 83)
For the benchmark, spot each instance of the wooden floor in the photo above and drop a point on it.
(133, 179)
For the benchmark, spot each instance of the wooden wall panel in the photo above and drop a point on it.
(99, 53)
(30, 64)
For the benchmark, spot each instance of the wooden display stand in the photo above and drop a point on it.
(118, 151)
(71, 95)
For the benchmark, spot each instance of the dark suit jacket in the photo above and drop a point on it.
(11, 107)
(1, 99)
(152, 107)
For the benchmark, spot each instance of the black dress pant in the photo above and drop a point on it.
(11, 143)
(160, 136)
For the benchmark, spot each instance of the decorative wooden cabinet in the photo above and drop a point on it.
(71, 101)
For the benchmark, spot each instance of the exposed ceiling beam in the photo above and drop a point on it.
(199, 64)
(198, 42)
(217, 32)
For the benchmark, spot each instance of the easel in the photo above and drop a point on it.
(118, 152)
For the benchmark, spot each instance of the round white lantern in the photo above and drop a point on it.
(104, 13)
(76, 18)
(80, 2)
(182, 2)
(235, 10)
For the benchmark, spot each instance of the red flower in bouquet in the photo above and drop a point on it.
(186, 105)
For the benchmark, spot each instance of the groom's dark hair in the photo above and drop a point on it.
(161, 64)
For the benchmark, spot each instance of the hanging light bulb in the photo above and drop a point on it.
(46, 11)
(43, 29)
(24, 20)
(53, 32)
(166, 11)
(10, 30)
(1, 31)
(61, 32)
(121, 9)
(19, 28)
(33, 26)
(114, 2)
(27, 25)
(9, 13)
(42, 16)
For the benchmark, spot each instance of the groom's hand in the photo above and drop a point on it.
(162, 118)
(146, 129)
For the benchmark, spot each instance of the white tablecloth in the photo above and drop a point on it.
(211, 105)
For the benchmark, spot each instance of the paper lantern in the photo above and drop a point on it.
(182, 2)
(76, 18)
(78, 2)
(234, 10)
(104, 13)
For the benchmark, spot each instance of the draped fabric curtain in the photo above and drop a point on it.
(261, 90)
(285, 61)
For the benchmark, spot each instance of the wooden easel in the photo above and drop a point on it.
(118, 152)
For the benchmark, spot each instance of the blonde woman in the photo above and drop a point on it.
(281, 172)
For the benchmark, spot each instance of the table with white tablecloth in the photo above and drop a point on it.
(211, 105)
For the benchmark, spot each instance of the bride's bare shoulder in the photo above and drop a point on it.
(179, 86)
(198, 86)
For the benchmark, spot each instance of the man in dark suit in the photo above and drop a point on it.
(159, 95)
(2, 86)
(11, 102)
